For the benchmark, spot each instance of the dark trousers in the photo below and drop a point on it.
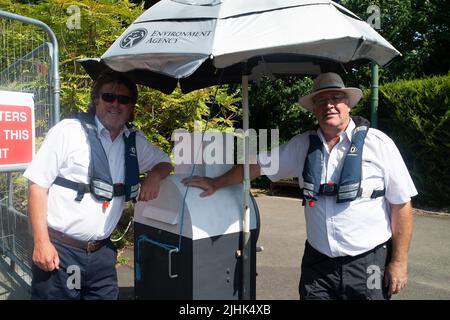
(82, 275)
(344, 278)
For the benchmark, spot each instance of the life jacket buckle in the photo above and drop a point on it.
(328, 189)
(81, 190)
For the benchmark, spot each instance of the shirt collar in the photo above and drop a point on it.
(347, 133)
(102, 130)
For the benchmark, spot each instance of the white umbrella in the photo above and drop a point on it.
(199, 43)
(187, 41)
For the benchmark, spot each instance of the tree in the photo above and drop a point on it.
(157, 114)
(419, 29)
(274, 105)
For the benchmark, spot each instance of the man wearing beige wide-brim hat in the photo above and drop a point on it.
(327, 82)
(357, 198)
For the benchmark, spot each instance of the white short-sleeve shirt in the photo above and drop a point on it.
(352, 228)
(65, 152)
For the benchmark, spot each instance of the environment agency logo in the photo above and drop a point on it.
(133, 38)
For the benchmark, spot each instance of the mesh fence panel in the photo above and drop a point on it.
(25, 66)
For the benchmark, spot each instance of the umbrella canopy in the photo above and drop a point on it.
(199, 43)
(186, 41)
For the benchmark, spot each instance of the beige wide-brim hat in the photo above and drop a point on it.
(330, 82)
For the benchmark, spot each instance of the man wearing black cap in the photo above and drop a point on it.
(357, 195)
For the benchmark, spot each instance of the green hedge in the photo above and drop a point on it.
(416, 115)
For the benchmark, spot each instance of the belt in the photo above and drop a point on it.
(89, 246)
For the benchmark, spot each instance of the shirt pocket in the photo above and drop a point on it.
(372, 175)
(77, 165)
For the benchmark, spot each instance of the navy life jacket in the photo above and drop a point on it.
(349, 186)
(100, 184)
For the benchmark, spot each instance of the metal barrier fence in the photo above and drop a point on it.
(28, 63)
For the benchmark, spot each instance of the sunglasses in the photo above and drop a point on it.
(111, 97)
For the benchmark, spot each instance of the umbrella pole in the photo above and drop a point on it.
(246, 253)
(374, 95)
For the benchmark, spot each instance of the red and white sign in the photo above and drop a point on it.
(16, 130)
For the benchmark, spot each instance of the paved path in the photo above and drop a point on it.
(283, 236)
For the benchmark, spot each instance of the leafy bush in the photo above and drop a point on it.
(158, 115)
(416, 115)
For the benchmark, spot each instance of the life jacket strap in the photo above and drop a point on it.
(116, 190)
(331, 189)
(378, 193)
